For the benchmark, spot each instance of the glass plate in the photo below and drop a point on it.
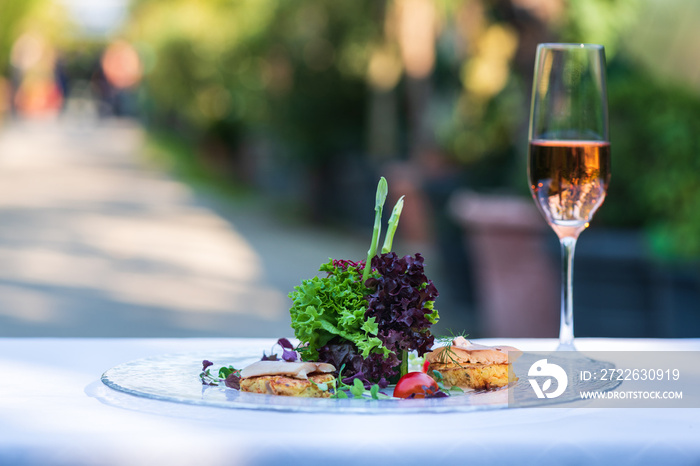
(175, 378)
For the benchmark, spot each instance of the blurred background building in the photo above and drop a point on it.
(306, 104)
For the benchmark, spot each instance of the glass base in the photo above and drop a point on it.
(566, 347)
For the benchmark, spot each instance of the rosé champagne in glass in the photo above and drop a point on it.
(569, 151)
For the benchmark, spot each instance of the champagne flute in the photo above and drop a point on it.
(569, 151)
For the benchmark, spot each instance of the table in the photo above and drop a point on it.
(55, 410)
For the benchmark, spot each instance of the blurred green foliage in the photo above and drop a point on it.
(293, 76)
(11, 14)
(18, 17)
(200, 73)
(227, 70)
(599, 22)
(654, 124)
(655, 165)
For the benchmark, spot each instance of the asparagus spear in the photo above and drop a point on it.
(382, 191)
(393, 223)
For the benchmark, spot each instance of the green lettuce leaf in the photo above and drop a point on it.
(326, 307)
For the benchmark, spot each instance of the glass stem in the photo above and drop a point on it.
(566, 326)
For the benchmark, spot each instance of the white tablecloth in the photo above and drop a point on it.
(54, 410)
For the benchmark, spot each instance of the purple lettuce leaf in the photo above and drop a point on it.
(401, 302)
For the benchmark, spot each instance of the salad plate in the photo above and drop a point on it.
(175, 378)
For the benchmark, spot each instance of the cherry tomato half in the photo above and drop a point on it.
(416, 385)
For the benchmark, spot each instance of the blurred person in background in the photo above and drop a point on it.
(117, 78)
(37, 92)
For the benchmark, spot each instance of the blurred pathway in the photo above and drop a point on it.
(92, 243)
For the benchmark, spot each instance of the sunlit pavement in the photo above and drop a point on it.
(95, 243)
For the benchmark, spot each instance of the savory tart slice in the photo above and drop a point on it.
(468, 365)
(300, 379)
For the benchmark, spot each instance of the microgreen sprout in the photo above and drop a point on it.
(228, 375)
(325, 386)
(357, 389)
(289, 353)
(441, 384)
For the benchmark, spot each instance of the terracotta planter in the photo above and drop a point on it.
(516, 280)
